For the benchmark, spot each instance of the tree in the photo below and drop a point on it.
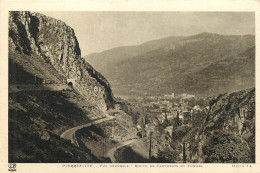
(178, 119)
(226, 147)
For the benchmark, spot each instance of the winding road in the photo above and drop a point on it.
(70, 133)
(111, 152)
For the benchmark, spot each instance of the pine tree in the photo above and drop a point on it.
(178, 119)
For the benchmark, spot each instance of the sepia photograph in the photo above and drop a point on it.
(131, 87)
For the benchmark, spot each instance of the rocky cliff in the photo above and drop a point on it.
(225, 133)
(50, 51)
(228, 133)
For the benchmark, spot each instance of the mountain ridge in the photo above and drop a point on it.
(177, 59)
(163, 38)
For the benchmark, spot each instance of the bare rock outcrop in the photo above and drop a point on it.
(51, 40)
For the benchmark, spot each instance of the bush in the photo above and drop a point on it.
(181, 131)
(226, 147)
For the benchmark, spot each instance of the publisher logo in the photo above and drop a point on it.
(12, 167)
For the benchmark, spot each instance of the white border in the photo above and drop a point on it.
(253, 6)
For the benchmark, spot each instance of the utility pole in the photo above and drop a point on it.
(104, 143)
(117, 155)
(150, 147)
(184, 155)
(113, 130)
(103, 146)
(165, 116)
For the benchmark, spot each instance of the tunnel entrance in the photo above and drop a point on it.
(70, 84)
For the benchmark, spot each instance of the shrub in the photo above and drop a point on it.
(181, 131)
(226, 147)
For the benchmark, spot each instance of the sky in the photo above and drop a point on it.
(99, 31)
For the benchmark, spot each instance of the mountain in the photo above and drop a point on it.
(51, 89)
(115, 55)
(203, 64)
(228, 132)
(48, 49)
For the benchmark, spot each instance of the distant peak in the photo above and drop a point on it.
(206, 34)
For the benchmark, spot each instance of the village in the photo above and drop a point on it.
(165, 110)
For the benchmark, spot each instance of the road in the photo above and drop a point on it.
(40, 87)
(111, 152)
(70, 133)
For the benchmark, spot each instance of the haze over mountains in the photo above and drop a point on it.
(203, 64)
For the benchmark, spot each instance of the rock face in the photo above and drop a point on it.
(53, 42)
(228, 133)
(224, 134)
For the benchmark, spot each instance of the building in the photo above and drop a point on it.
(139, 131)
(186, 96)
(181, 116)
(171, 96)
(206, 108)
(170, 116)
(169, 130)
(161, 117)
(46, 81)
(196, 108)
(118, 106)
